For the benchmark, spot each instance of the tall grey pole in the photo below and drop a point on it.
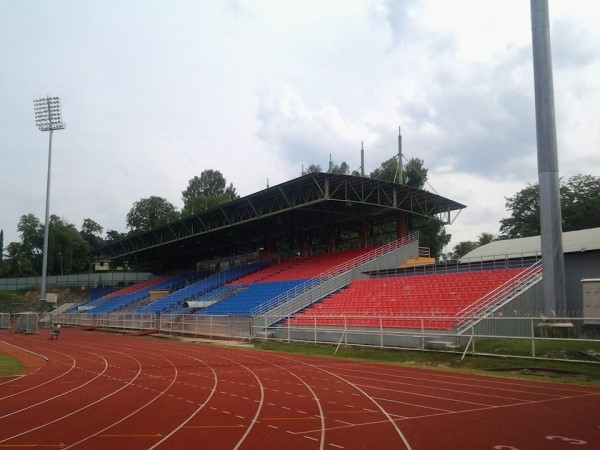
(46, 229)
(47, 118)
(550, 216)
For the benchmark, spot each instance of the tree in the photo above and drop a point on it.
(387, 171)
(32, 240)
(580, 202)
(91, 231)
(415, 175)
(18, 264)
(432, 233)
(1, 245)
(211, 183)
(313, 168)
(525, 219)
(462, 248)
(342, 169)
(485, 238)
(149, 213)
(68, 251)
(113, 236)
(205, 192)
(580, 208)
(198, 204)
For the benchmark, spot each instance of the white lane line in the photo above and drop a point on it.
(80, 409)
(46, 400)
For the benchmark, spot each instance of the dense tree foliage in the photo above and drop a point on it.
(206, 191)
(414, 173)
(313, 168)
(91, 231)
(464, 247)
(149, 213)
(580, 207)
(68, 251)
(342, 169)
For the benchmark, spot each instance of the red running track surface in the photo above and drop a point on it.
(92, 390)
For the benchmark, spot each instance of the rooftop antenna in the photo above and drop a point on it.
(399, 167)
(362, 160)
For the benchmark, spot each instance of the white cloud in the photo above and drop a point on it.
(155, 92)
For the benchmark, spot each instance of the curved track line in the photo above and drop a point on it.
(191, 416)
(315, 397)
(37, 386)
(252, 422)
(25, 350)
(160, 394)
(375, 402)
(77, 410)
(213, 390)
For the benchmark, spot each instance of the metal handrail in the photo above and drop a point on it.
(498, 296)
(337, 270)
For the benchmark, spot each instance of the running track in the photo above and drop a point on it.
(108, 391)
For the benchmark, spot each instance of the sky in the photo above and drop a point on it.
(154, 92)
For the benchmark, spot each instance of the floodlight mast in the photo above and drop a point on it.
(47, 118)
(553, 282)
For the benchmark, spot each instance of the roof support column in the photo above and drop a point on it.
(330, 238)
(363, 233)
(401, 224)
(303, 243)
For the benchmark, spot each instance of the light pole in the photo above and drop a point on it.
(47, 118)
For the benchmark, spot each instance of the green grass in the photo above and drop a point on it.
(551, 349)
(556, 371)
(10, 366)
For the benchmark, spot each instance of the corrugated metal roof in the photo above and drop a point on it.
(573, 242)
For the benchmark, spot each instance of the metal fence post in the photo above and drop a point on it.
(532, 337)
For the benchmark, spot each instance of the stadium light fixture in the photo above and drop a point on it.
(47, 118)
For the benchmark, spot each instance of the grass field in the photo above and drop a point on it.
(550, 370)
(10, 366)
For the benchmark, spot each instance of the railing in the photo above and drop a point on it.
(519, 260)
(526, 334)
(499, 296)
(90, 280)
(339, 269)
(111, 320)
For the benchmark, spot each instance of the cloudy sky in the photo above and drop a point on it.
(154, 92)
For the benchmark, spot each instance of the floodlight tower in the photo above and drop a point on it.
(553, 264)
(47, 118)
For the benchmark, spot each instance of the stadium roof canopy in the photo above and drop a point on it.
(573, 242)
(309, 202)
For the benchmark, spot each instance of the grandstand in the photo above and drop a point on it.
(324, 257)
